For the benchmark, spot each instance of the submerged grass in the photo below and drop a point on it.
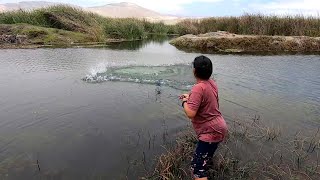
(251, 151)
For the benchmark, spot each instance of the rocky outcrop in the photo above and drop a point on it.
(224, 42)
(13, 39)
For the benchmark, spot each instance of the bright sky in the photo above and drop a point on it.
(212, 7)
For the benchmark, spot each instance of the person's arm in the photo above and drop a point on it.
(191, 103)
(189, 112)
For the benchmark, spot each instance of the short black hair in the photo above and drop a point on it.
(203, 67)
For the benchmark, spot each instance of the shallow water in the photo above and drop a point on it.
(86, 113)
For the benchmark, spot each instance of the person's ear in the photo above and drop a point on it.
(194, 72)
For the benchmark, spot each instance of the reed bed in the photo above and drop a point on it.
(255, 24)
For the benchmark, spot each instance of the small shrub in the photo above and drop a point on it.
(36, 33)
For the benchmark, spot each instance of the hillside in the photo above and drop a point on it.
(124, 10)
(26, 5)
(2, 8)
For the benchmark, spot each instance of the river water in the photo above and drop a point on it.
(106, 112)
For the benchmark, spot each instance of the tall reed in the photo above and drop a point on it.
(256, 24)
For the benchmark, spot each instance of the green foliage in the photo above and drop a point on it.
(156, 28)
(124, 29)
(42, 35)
(34, 33)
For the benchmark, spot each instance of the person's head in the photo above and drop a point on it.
(202, 67)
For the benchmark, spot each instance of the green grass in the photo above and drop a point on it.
(59, 17)
(124, 29)
(160, 28)
(43, 36)
(76, 20)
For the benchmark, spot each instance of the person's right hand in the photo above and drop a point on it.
(184, 97)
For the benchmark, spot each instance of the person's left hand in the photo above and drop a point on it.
(184, 97)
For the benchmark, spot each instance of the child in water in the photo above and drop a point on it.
(201, 105)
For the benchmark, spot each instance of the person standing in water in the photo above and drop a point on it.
(201, 105)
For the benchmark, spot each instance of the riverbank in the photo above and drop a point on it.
(224, 42)
(67, 26)
(63, 26)
(29, 36)
(251, 151)
(24, 36)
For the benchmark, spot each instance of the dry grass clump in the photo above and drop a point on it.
(174, 164)
(251, 151)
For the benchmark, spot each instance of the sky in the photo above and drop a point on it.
(201, 8)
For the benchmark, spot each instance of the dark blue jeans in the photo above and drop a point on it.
(204, 153)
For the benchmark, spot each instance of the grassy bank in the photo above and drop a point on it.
(58, 17)
(85, 24)
(251, 151)
(41, 36)
(252, 24)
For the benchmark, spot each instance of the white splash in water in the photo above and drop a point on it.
(103, 68)
(155, 75)
(94, 71)
(100, 68)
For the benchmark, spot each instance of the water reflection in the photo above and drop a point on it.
(136, 45)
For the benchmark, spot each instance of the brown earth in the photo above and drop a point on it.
(224, 42)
